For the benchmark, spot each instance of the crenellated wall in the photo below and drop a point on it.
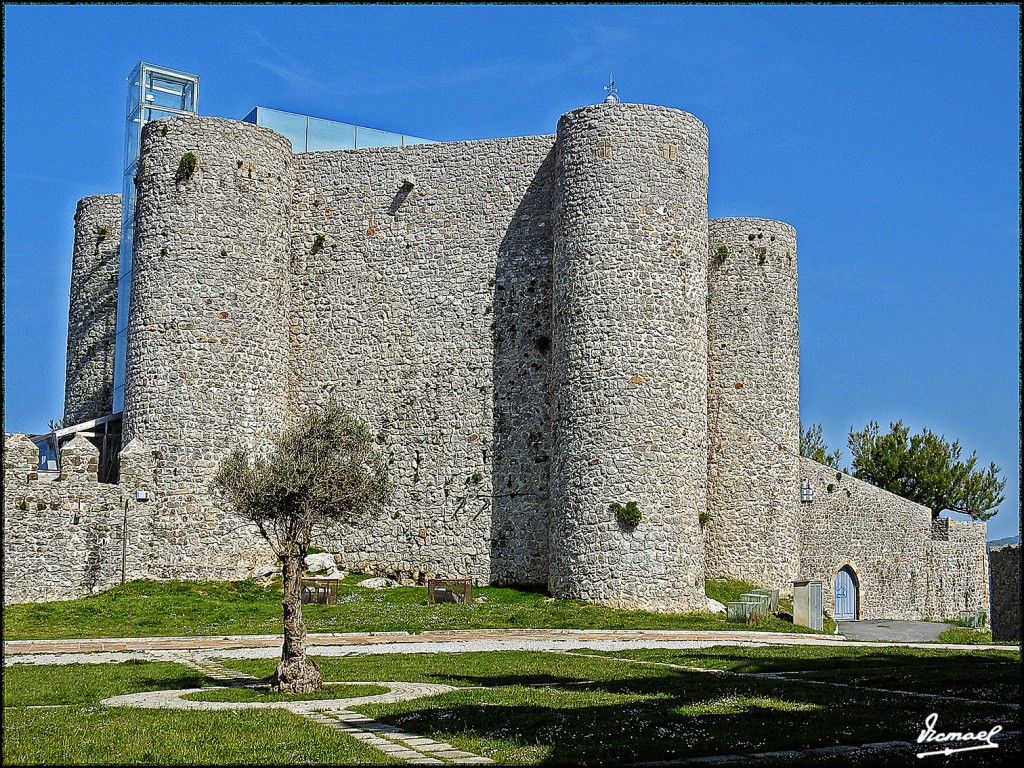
(92, 309)
(630, 356)
(956, 568)
(753, 401)
(65, 534)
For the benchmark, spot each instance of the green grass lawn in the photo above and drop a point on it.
(52, 717)
(527, 708)
(963, 636)
(163, 608)
(102, 736)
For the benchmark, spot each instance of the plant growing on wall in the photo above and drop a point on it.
(187, 165)
(318, 243)
(321, 471)
(628, 514)
(102, 233)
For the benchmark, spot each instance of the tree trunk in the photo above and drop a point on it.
(295, 673)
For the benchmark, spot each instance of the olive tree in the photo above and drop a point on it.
(320, 471)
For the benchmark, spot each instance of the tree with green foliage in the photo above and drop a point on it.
(321, 471)
(927, 469)
(812, 445)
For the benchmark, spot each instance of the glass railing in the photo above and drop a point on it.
(314, 134)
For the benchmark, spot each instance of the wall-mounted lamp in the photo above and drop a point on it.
(806, 491)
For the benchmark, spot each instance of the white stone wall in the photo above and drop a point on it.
(68, 536)
(753, 401)
(907, 565)
(426, 311)
(630, 356)
(525, 325)
(92, 309)
(956, 562)
(208, 323)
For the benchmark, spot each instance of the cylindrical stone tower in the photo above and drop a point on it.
(753, 401)
(92, 309)
(630, 357)
(207, 362)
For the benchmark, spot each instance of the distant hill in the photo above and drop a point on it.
(1004, 542)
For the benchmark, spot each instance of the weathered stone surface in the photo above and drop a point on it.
(714, 606)
(630, 357)
(321, 562)
(906, 566)
(753, 402)
(88, 387)
(535, 329)
(377, 582)
(1005, 565)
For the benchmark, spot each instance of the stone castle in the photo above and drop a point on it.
(537, 329)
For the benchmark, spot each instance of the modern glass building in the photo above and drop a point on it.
(314, 134)
(153, 92)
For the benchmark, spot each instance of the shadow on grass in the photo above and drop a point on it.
(667, 714)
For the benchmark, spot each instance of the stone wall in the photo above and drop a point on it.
(907, 565)
(630, 356)
(208, 346)
(1005, 567)
(753, 402)
(523, 323)
(64, 535)
(957, 576)
(92, 309)
(421, 300)
(880, 536)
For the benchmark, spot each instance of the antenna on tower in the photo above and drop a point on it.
(613, 92)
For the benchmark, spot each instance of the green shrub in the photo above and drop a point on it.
(318, 243)
(628, 514)
(187, 165)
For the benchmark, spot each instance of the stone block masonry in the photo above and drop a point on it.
(67, 535)
(1005, 565)
(906, 566)
(421, 280)
(630, 357)
(538, 331)
(92, 311)
(753, 401)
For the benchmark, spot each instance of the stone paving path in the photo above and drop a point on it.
(428, 642)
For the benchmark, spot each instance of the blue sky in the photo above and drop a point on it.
(887, 135)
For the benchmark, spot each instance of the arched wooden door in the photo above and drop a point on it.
(846, 595)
